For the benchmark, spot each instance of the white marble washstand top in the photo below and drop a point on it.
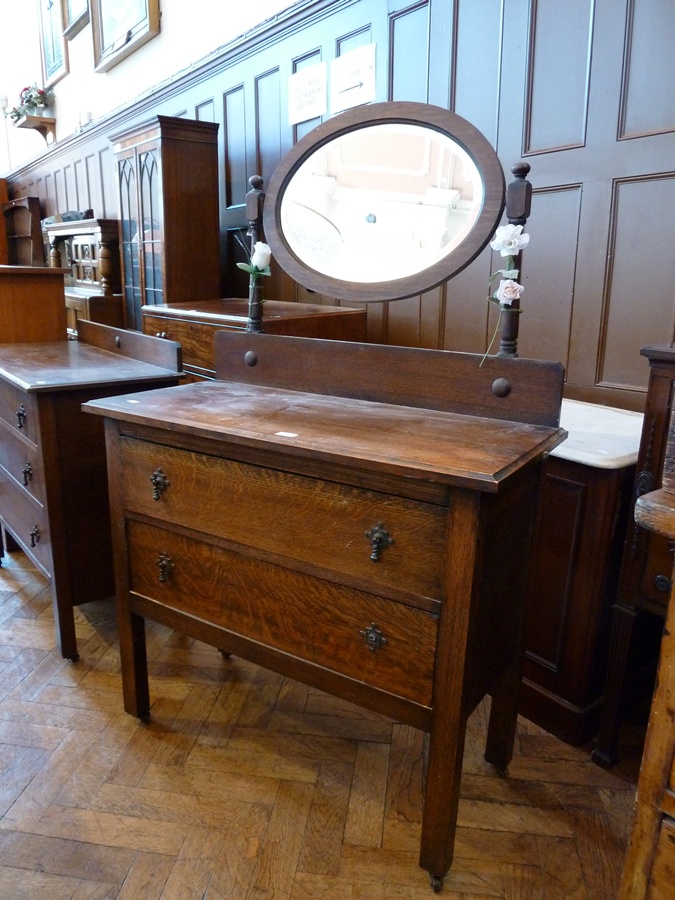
(600, 436)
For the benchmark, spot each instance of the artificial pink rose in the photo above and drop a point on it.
(508, 291)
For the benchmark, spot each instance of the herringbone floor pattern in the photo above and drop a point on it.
(249, 785)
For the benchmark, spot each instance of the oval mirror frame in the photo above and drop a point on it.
(435, 119)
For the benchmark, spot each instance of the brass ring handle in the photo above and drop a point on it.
(27, 474)
(21, 417)
(34, 536)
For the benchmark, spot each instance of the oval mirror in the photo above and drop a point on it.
(383, 202)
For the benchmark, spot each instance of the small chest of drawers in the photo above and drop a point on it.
(350, 515)
(194, 325)
(53, 482)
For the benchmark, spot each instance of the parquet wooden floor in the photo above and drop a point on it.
(249, 785)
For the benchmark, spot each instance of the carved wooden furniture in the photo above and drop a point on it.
(24, 233)
(645, 580)
(90, 248)
(582, 514)
(194, 325)
(649, 868)
(53, 487)
(31, 304)
(4, 259)
(167, 171)
(354, 516)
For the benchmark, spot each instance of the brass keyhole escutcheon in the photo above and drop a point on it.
(21, 417)
(159, 483)
(165, 566)
(379, 540)
(373, 637)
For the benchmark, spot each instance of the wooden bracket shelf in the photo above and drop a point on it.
(45, 125)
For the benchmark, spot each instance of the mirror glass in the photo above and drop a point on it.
(384, 201)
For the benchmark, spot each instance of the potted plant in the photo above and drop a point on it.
(32, 102)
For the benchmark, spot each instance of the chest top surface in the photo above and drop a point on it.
(101, 355)
(440, 446)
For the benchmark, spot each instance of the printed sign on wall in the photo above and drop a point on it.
(307, 94)
(352, 79)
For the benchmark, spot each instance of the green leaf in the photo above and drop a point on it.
(250, 269)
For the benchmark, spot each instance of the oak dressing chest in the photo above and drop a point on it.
(354, 516)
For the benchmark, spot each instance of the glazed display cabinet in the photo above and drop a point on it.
(167, 175)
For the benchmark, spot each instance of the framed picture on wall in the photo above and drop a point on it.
(75, 16)
(120, 27)
(53, 48)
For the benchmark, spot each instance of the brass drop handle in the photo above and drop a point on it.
(379, 540)
(27, 473)
(159, 483)
(373, 637)
(165, 567)
(20, 417)
(34, 536)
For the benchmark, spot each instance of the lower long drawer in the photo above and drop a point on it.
(27, 521)
(315, 620)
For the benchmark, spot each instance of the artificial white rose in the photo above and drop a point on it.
(508, 291)
(509, 240)
(260, 259)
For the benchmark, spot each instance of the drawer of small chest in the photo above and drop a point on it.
(18, 411)
(26, 519)
(378, 540)
(196, 338)
(382, 643)
(22, 462)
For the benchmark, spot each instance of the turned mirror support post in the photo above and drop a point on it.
(255, 199)
(518, 202)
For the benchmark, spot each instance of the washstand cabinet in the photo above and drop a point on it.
(167, 176)
(53, 482)
(354, 516)
(90, 249)
(194, 325)
(582, 515)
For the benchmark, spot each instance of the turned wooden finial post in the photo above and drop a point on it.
(518, 202)
(255, 199)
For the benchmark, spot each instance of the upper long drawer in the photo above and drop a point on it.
(304, 522)
(18, 410)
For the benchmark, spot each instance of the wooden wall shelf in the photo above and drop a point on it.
(45, 125)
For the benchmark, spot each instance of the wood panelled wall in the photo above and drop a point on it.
(580, 90)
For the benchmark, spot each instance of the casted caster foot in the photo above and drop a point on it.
(74, 658)
(503, 772)
(436, 882)
(225, 654)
